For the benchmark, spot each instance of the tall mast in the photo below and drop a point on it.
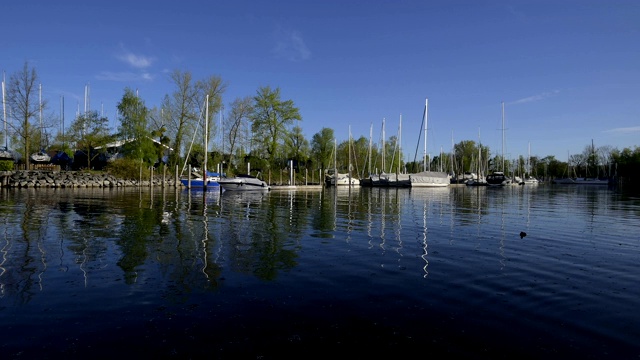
(370, 136)
(62, 120)
(426, 114)
(479, 155)
(335, 161)
(400, 144)
(382, 149)
(349, 169)
(206, 141)
(4, 114)
(503, 136)
(40, 106)
(40, 109)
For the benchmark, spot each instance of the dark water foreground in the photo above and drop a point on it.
(378, 273)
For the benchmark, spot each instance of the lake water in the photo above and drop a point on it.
(370, 272)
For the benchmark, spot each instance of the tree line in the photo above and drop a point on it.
(260, 132)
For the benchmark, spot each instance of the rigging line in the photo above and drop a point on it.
(195, 132)
(415, 157)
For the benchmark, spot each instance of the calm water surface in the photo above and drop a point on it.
(290, 274)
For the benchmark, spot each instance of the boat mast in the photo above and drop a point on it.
(349, 169)
(479, 156)
(426, 114)
(62, 120)
(453, 156)
(206, 131)
(503, 136)
(335, 162)
(4, 114)
(40, 109)
(382, 149)
(400, 145)
(370, 145)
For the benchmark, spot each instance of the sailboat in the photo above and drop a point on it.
(397, 179)
(380, 178)
(583, 180)
(530, 180)
(5, 153)
(40, 157)
(367, 182)
(428, 178)
(479, 179)
(342, 179)
(207, 180)
(498, 178)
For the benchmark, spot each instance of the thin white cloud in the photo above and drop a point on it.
(123, 76)
(290, 46)
(625, 130)
(136, 61)
(534, 98)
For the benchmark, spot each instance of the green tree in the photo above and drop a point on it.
(360, 149)
(296, 146)
(90, 132)
(270, 118)
(134, 130)
(322, 148)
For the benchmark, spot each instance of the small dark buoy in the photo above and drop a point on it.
(522, 234)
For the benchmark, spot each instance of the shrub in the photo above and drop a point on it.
(128, 169)
(6, 165)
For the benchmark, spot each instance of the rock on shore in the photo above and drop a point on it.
(73, 179)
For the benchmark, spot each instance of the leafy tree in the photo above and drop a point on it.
(133, 129)
(297, 147)
(322, 148)
(465, 154)
(360, 149)
(270, 118)
(90, 131)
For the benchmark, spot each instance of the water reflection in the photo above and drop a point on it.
(181, 270)
(189, 238)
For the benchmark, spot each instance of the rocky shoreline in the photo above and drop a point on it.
(74, 179)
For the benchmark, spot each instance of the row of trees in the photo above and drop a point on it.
(262, 130)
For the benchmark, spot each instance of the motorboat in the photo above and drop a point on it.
(498, 178)
(199, 182)
(243, 183)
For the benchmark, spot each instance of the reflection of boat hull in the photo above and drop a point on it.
(581, 181)
(243, 183)
(477, 182)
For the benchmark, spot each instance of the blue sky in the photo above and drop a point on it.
(568, 71)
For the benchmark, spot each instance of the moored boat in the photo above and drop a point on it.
(498, 178)
(243, 183)
(211, 181)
